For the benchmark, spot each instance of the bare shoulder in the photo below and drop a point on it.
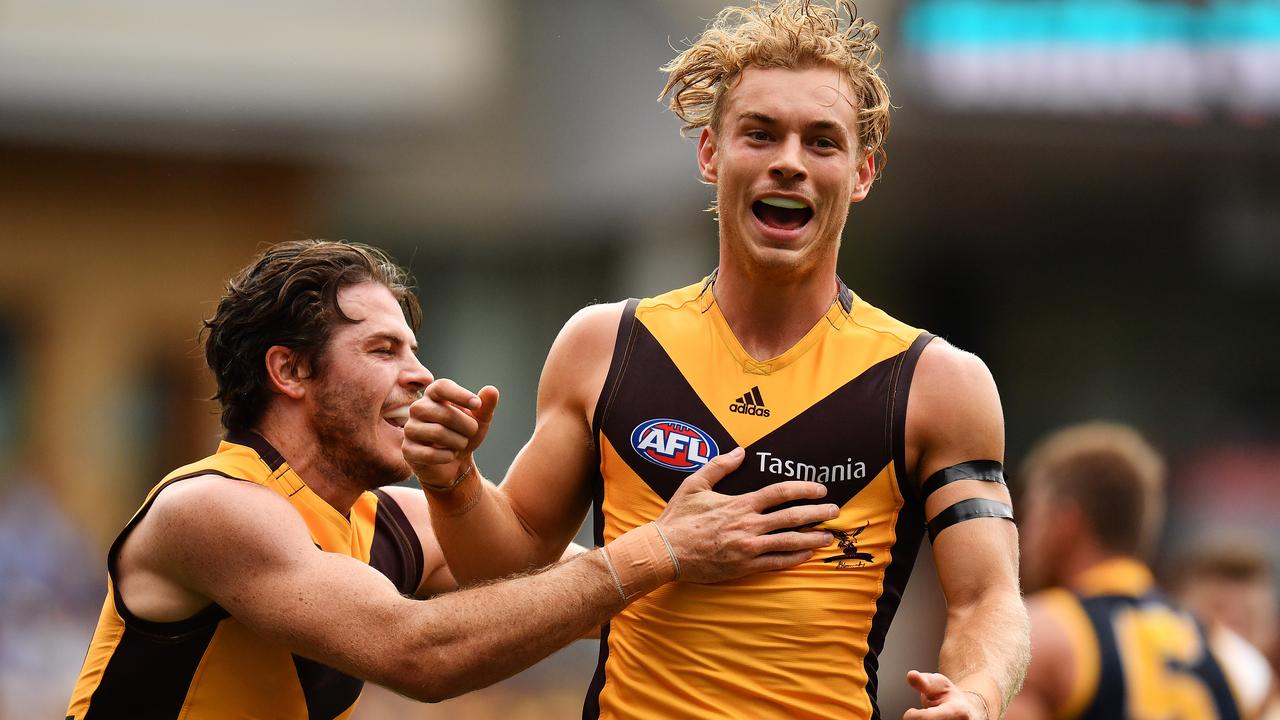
(214, 503)
(205, 525)
(952, 380)
(196, 533)
(579, 358)
(593, 328)
(953, 413)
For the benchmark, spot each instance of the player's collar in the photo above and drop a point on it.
(1117, 576)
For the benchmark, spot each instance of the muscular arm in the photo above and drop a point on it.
(244, 547)
(436, 575)
(488, 531)
(954, 416)
(262, 567)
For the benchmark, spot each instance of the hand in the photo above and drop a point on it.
(445, 427)
(720, 537)
(943, 699)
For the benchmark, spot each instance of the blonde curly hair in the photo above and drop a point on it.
(796, 34)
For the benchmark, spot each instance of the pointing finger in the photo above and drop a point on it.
(928, 684)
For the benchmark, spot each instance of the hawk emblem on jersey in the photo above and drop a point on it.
(848, 542)
(673, 444)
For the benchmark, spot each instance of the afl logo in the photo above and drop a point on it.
(673, 444)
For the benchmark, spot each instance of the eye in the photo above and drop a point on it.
(384, 351)
(826, 144)
(758, 135)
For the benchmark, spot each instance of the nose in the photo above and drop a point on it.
(416, 376)
(788, 163)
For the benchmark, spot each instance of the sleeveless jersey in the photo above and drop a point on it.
(1137, 656)
(798, 643)
(210, 665)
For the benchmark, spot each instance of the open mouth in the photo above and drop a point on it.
(399, 417)
(782, 213)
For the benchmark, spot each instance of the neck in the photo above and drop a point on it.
(305, 458)
(1088, 557)
(769, 313)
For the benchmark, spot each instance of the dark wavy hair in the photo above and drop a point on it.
(288, 296)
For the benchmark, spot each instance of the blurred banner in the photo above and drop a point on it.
(1098, 56)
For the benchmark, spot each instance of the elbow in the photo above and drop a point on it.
(422, 675)
(422, 686)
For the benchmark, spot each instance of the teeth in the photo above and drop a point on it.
(400, 413)
(787, 203)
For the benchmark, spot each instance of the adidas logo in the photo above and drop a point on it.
(750, 404)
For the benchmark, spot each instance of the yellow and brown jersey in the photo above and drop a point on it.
(1136, 655)
(210, 665)
(800, 643)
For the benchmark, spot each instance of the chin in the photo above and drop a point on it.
(386, 466)
(774, 259)
(393, 469)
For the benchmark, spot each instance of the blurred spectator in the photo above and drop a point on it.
(49, 596)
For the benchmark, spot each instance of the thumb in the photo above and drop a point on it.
(928, 684)
(488, 404)
(711, 473)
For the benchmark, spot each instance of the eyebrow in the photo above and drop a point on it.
(770, 120)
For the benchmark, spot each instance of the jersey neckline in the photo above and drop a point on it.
(839, 312)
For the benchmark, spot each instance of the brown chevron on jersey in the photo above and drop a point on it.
(836, 440)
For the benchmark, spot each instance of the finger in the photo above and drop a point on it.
(488, 404)
(778, 561)
(426, 414)
(784, 492)
(436, 436)
(800, 515)
(420, 456)
(708, 475)
(446, 390)
(946, 711)
(928, 684)
(793, 541)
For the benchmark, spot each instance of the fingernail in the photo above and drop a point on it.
(474, 403)
(737, 452)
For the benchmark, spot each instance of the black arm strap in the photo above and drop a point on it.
(970, 509)
(985, 470)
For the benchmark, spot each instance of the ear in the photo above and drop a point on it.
(863, 177)
(285, 372)
(707, 155)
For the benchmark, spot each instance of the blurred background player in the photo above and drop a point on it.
(774, 353)
(1105, 641)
